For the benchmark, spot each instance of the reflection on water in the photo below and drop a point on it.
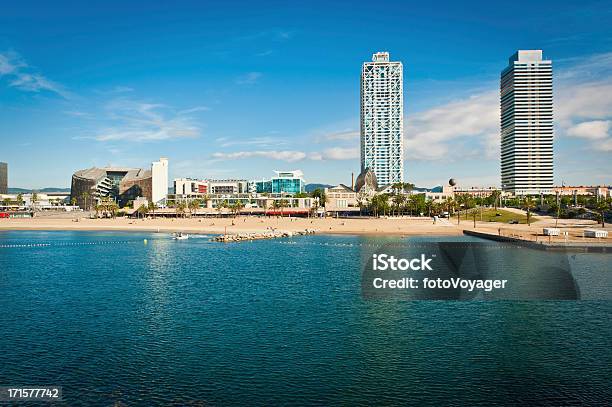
(284, 322)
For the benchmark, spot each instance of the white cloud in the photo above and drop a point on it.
(593, 130)
(21, 76)
(287, 155)
(334, 153)
(255, 141)
(583, 106)
(429, 134)
(195, 110)
(340, 153)
(250, 78)
(344, 135)
(139, 121)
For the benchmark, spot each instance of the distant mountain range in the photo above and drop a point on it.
(311, 187)
(42, 190)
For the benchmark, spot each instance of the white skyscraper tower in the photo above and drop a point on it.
(382, 119)
(159, 181)
(527, 124)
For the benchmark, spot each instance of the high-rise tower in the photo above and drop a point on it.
(527, 124)
(382, 119)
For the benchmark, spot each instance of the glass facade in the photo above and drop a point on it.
(280, 185)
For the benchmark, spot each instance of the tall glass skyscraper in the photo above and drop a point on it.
(527, 124)
(382, 119)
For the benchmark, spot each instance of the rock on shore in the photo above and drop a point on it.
(239, 237)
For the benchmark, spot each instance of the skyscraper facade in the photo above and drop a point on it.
(159, 181)
(382, 119)
(527, 124)
(3, 178)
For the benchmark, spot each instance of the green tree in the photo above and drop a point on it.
(153, 207)
(85, 197)
(320, 194)
(398, 202)
(602, 207)
(181, 207)
(528, 205)
(193, 205)
(142, 210)
(237, 207)
(34, 200)
(495, 196)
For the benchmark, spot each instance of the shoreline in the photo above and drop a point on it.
(243, 224)
(407, 226)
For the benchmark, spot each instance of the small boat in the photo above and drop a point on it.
(180, 236)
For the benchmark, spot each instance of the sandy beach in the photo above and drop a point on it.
(243, 224)
(404, 226)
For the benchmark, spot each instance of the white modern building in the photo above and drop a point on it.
(527, 124)
(382, 119)
(159, 181)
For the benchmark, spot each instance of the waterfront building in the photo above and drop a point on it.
(382, 119)
(41, 201)
(475, 192)
(195, 188)
(341, 198)
(227, 186)
(3, 178)
(190, 186)
(526, 93)
(285, 182)
(159, 181)
(597, 191)
(121, 184)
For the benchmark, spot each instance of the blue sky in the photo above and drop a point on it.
(238, 89)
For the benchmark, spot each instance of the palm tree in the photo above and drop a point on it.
(602, 207)
(153, 207)
(194, 205)
(180, 208)
(528, 204)
(283, 203)
(429, 206)
(142, 210)
(221, 205)
(320, 193)
(85, 196)
(398, 202)
(496, 196)
(34, 200)
(237, 207)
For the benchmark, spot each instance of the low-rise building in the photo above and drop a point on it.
(121, 184)
(600, 191)
(341, 198)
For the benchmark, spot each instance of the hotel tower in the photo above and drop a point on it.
(382, 121)
(527, 124)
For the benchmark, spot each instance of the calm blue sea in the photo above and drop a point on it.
(115, 321)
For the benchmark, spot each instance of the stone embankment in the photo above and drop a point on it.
(240, 237)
